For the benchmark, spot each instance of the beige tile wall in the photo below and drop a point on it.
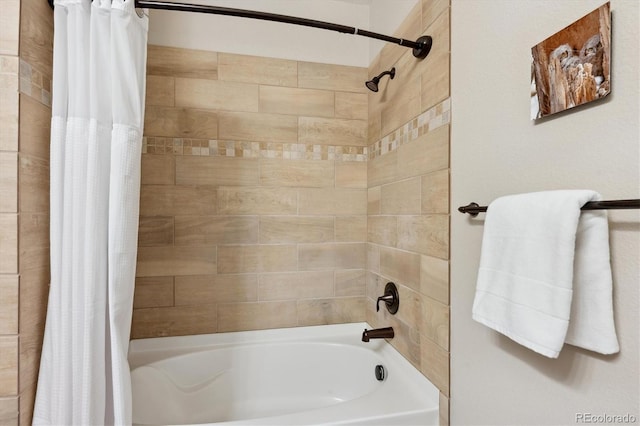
(258, 209)
(408, 195)
(273, 190)
(254, 192)
(26, 33)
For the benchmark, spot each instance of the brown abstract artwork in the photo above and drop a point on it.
(572, 67)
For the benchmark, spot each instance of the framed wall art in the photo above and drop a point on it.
(572, 67)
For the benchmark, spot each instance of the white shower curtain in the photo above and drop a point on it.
(96, 138)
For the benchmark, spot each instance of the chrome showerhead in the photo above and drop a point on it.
(373, 83)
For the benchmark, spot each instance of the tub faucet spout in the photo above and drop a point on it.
(377, 333)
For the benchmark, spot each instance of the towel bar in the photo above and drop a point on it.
(473, 208)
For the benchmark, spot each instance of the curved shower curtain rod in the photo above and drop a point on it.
(421, 46)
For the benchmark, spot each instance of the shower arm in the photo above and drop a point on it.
(421, 47)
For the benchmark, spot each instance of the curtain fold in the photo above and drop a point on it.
(96, 138)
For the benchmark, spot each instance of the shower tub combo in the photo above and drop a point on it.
(297, 376)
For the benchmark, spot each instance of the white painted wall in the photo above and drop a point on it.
(385, 16)
(278, 40)
(496, 150)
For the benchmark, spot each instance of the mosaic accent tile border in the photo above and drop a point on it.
(429, 120)
(35, 84)
(244, 149)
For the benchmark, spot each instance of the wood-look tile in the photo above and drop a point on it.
(9, 99)
(434, 278)
(233, 259)
(160, 90)
(9, 304)
(33, 183)
(314, 257)
(402, 265)
(435, 81)
(406, 339)
(158, 169)
(332, 131)
(9, 112)
(246, 126)
(173, 200)
(206, 170)
(331, 77)
(257, 70)
(155, 231)
(375, 288)
(27, 403)
(34, 296)
(331, 311)
(351, 228)
(435, 192)
(374, 124)
(428, 234)
(350, 282)
(8, 182)
(9, 243)
(296, 229)
(210, 289)
(295, 285)
(10, 27)
(431, 9)
(325, 201)
(180, 122)
(434, 322)
(173, 321)
(412, 309)
(9, 411)
(402, 197)
(295, 101)
(216, 94)
(256, 316)
(439, 30)
(167, 261)
(30, 347)
(383, 169)
(443, 410)
(36, 34)
(352, 105)
(351, 174)
(403, 105)
(373, 200)
(435, 364)
(373, 258)
(428, 153)
(176, 62)
(8, 366)
(153, 292)
(297, 173)
(429, 317)
(213, 230)
(257, 201)
(35, 127)
(382, 230)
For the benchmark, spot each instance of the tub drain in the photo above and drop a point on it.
(380, 372)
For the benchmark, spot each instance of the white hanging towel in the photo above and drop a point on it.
(545, 275)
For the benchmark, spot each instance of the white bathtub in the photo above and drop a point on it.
(295, 376)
